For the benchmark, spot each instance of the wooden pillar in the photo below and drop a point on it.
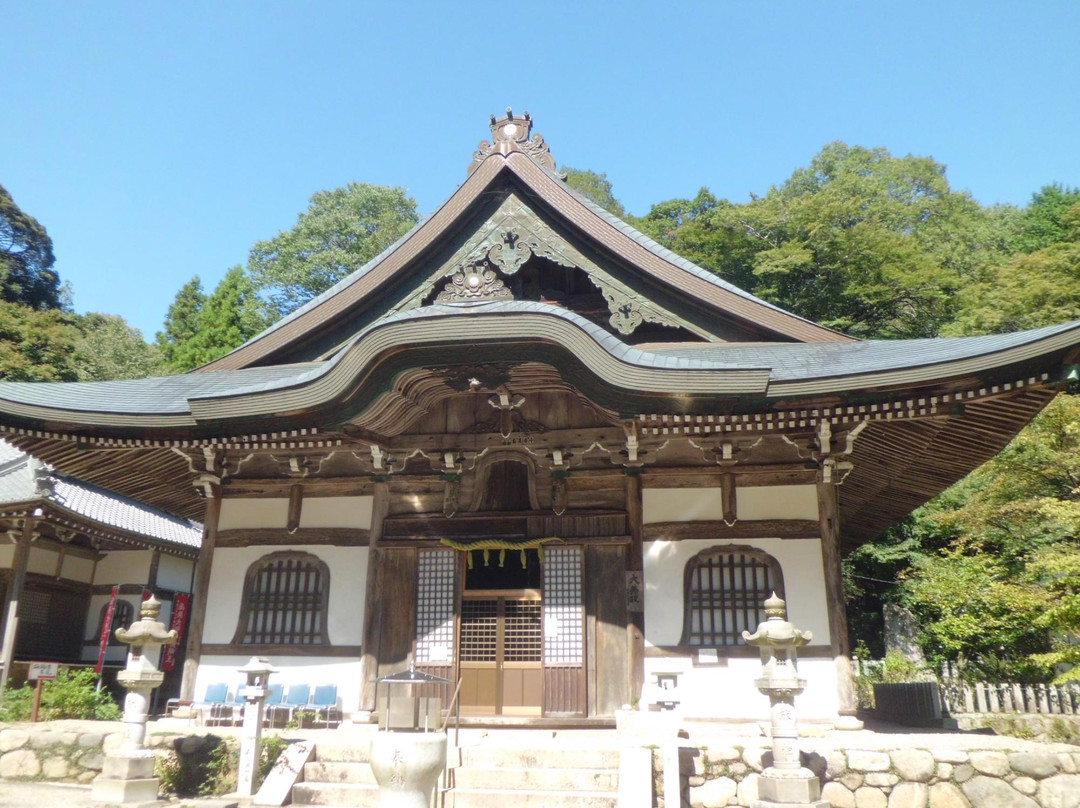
(200, 590)
(635, 562)
(369, 661)
(829, 515)
(11, 611)
(151, 578)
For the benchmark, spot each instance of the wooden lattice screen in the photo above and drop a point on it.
(725, 594)
(285, 601)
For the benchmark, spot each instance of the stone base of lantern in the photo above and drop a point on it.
(127, 778)
(780, 788)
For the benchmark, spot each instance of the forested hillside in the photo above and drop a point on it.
(876, 246)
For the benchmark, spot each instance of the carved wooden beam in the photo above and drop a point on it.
(335, 536)
(747, 529)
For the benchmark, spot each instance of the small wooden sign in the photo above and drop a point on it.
(43, 670)
(635, 591)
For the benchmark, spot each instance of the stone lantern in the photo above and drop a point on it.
(256, 675)
(786, 781)
(127, 775)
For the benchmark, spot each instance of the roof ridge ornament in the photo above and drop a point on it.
(511, 134)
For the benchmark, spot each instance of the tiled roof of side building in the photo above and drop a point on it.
(19, 482)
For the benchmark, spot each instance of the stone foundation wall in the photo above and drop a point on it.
(61, 751)
(898, 778)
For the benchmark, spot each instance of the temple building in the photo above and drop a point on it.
(78, 562)
(531, 448)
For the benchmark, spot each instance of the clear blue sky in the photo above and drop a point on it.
(159, 140)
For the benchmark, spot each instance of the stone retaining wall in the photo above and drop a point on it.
(61, 751)
(898, 778)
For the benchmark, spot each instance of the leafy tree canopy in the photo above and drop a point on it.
(1032, 290)
(37, 346)
(595, 187)
(110, 349)
(1041, 223)
(341, 230)
(861, 241)
(181, 324)
(26, 259)
(201, 328)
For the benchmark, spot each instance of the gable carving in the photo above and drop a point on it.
(504, 243)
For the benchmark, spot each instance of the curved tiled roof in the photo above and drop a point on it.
(770, 369)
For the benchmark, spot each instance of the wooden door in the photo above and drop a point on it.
(501, 653)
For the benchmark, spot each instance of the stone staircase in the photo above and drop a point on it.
(497, 770)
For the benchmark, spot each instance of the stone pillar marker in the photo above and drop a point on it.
(127, 775)
(257, 671)
(786, 782)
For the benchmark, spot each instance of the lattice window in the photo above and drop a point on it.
(725, 592)
(435, 607)
(562, 606)
(479, 630)
(123, 616)
(521, 632)
(34, 607)
(285, 601)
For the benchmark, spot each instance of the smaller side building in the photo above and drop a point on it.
(68, 545)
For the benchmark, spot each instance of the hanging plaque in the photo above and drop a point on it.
(635, 591)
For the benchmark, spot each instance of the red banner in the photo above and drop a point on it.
(106, 629)
(178, 623)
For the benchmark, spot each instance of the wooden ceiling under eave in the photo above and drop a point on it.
(900, 465)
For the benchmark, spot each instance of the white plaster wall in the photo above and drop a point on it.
(681, 504)
(124, 567)
(336, 512)
(777, 502)
(341, 671)
(241, 513)
(43, 562)
(800, 562)
(77, 568)
(752, 502)
(727, 691)
(348, 578)
(7, 552)
(114, 653)
(174, 573)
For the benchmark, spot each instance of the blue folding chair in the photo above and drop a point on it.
(273, 699)
(296, 698)
(325, 702)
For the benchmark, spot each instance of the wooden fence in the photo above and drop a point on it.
(958, 696)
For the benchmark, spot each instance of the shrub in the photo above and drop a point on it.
(72, 694)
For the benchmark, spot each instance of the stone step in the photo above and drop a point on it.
(338, 772)
(347, 795)
(503, 798)
(493, 757)
(541, 779)
(359, 752)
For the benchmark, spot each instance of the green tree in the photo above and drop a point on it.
(228, 319)
(181, 324)
(1040, 224)
(110, 349)
(341, 230)
(37, 346)
(596, 187)
(1032, 290)
(26, 259)
(861, 241)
